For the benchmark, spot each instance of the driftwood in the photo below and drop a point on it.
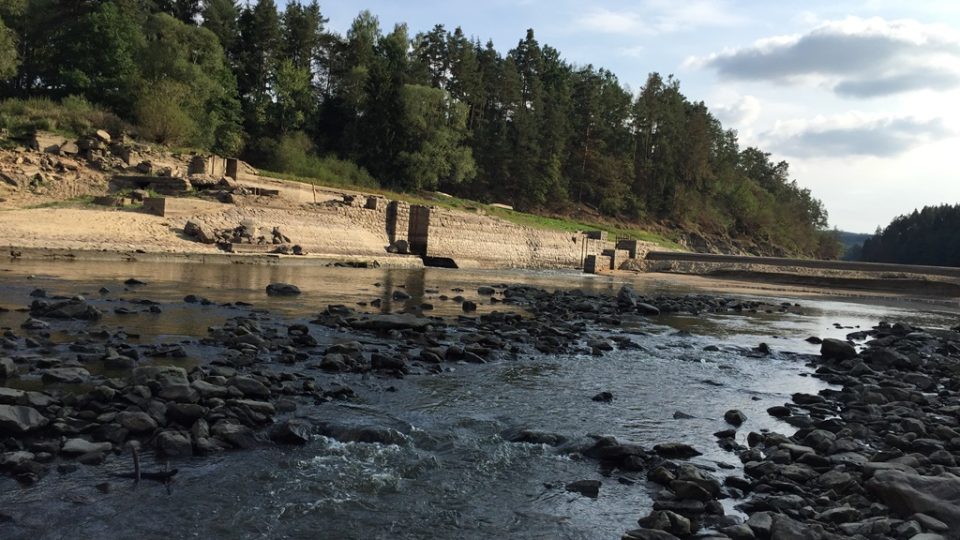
(137, 474)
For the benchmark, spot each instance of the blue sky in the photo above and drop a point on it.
(861, 98)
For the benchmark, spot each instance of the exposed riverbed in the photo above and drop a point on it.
(452, 474)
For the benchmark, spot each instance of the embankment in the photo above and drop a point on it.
(816, 273)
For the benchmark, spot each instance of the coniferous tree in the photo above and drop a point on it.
(220, 17)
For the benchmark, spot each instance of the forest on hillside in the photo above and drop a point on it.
(435, 110)
(930, 236)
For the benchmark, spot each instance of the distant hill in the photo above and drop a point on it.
(852, 244)
(928, 236)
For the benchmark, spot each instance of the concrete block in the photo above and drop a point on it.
(596, 264)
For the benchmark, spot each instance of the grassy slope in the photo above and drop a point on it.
(520, 218)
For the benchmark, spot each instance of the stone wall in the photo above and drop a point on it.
(396, 219)
(482, 241)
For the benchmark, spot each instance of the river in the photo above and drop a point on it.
(452, 476)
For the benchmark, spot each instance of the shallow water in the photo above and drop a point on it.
(453, 476)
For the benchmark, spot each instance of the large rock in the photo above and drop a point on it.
(587, 488)
(17, 419)
(293, 431)
(68, 309)
(676, 450)
(8, 369)
(648, 534)
(83, 446)
(174, 444)
(401, 321)
(836, 349)
(67, 375)
(665, 520)
(627, 299)
(249, 386)
(199, 232)
(236, 435)
(908, 493)
(735, 417)
(137, 422)
(785, 528)
(282, 289)
(165, 375)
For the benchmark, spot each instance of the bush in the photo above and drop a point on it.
(74, 116)
(162, 117)
(294, 155)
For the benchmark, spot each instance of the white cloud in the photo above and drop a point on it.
(660, 17)
(612, 22)
(633, 52)
(855, 134)
(854, 57)
(739, 115)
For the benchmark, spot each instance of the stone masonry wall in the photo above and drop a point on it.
(481, 241)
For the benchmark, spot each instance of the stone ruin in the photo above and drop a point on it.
(246, 237)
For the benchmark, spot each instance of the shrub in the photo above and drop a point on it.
(161, 117)
(294, 155)
(73, 116)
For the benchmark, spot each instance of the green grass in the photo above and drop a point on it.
(71, 117)
(75, 202)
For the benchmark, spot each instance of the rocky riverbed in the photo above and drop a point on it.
(872, 456)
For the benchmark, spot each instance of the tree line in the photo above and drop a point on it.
(436, 110)
(930, 236)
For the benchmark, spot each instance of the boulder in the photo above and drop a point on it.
(67, 375)
(17, 419)
(174, 444)
(249, 387)
(236, 435)
(587, 488)
(909, 493)
(293, 431)
(648, 534)
(69, 148)
(627, 299)
(836, 349)
(78, 446)
(69, 309)
(137, 422)
(400, 321)
(676, 450)
(164, 375)
(8, 369)
(785, 528)
(668, 521)
(735, 417)
(199, 232)
(282, 289)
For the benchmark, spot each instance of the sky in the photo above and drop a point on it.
(861, 98)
